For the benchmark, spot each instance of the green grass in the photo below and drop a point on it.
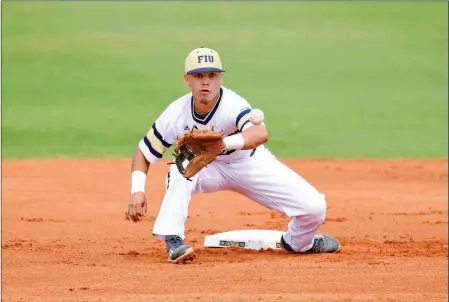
(336, 80)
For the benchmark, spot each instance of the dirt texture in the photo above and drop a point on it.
(64, 237)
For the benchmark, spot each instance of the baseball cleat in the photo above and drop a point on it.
(285, 246)
(177, 251)
(324, 244)
(321, 244)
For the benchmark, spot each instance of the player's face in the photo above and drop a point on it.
(205, 85)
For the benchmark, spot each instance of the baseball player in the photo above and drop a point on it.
(243, 165)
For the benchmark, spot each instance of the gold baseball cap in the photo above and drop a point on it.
(203, 59)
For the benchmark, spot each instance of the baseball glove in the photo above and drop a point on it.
(199, 148)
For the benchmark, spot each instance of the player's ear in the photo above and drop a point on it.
(186, 80)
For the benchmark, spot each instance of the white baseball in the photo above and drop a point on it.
(256, 116)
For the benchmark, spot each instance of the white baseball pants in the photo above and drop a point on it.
(263, 179)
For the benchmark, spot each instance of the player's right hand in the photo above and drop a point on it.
(137, 207)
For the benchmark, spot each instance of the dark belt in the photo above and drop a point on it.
(252, 153)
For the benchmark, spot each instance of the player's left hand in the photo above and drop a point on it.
(137, 207)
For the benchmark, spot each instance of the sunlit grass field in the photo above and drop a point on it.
(336, 80)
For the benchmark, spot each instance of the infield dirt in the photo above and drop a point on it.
(64, 237)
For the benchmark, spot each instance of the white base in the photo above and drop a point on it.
(245, 239)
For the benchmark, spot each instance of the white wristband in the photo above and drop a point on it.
(138, 179)
(234, 142)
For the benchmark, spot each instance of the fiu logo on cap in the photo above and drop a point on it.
(205, 59)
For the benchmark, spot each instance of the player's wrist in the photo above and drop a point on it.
(234, 142)
(138, 180)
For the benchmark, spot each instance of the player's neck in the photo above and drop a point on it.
(203, 107)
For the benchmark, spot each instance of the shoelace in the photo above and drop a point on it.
(173, 242)
(318, 245)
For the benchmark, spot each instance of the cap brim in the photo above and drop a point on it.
(205, 69)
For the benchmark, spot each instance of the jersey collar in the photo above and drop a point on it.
(208, 117)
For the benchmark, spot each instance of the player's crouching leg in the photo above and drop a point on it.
(170, 222)
(301, 236)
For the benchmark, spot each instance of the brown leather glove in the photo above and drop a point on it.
(199, 148)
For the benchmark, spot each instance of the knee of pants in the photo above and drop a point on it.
(315, 208)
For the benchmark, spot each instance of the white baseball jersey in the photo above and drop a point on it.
(230, 115)
(256, 174)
